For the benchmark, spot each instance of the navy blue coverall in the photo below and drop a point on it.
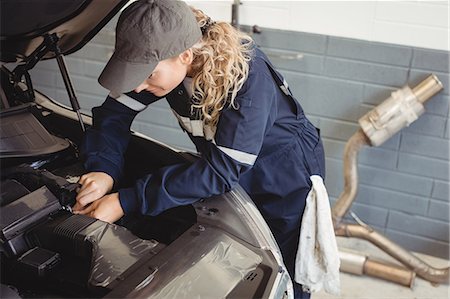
(267, 146)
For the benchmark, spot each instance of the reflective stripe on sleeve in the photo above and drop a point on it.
(128, 101)
(239, 156)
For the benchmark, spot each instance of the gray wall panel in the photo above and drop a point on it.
(371, 52)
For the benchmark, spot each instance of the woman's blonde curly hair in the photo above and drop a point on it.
(220, 67)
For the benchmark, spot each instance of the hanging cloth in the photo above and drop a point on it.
(317, 261)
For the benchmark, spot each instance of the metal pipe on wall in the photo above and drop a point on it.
(403, 107)
(427, 88)
(235, 14)
(342, 205)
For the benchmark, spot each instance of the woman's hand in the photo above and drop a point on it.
(94, 185)
(107, 208)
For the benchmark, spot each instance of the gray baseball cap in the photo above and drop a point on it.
(147, 32)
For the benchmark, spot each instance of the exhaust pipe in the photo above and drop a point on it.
(403, 107)
(412, 262)
(342, 205)
(361, 264)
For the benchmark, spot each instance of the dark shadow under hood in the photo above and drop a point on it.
(24, 23)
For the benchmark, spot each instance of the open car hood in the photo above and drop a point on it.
(32, 30)
(25, 23)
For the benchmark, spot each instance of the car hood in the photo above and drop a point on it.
(25, 23)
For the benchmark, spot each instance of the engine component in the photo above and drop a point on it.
(19, 216)
(38, 261)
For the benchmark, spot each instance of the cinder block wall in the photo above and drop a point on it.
(404, 189)
(404, 183)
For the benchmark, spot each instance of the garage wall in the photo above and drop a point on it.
(419, 23)
(404, 183)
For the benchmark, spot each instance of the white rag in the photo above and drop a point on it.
(317, 261)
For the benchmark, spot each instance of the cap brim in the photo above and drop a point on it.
(120, 76)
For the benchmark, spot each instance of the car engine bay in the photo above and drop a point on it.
(46, 250)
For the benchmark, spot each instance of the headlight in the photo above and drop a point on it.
(235, 213)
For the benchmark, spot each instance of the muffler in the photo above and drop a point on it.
(403, 107)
